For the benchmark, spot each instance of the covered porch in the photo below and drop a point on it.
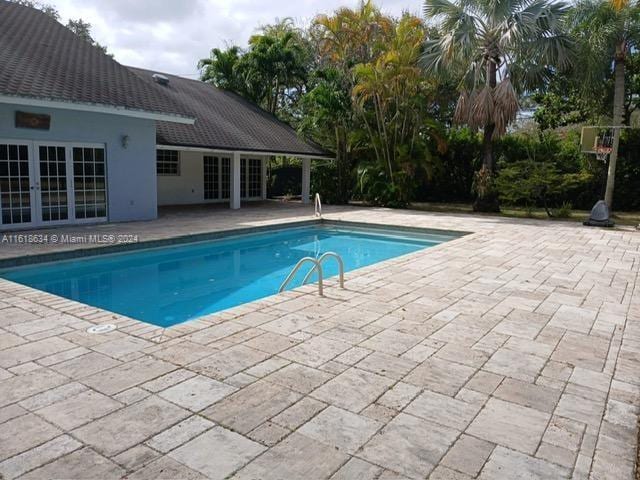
(190, 176)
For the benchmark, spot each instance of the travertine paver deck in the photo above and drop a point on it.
(513, 352)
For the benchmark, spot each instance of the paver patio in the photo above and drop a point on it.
(512, 352)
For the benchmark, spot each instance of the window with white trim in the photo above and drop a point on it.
(168, 162)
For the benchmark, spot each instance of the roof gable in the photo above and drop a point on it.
(42, 59)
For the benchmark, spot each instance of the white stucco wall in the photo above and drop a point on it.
(131, 172)
(188, 187)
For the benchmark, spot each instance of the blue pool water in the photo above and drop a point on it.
(169, 285)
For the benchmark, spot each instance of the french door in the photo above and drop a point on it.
(250, 178)
(17, 180)
(217, 177)
(51, 183)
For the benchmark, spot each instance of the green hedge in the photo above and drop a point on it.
(285, 180)
(534, 169)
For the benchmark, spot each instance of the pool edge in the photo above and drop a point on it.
(21, 261)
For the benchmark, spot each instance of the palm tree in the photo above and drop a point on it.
(351, 36)
(502, 48)
(606, 32)
(218, 69)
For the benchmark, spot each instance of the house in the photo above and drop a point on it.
(84, 139)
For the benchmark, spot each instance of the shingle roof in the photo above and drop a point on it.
(226, 121)
(41, 58)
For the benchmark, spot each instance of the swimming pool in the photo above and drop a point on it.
(169, 285)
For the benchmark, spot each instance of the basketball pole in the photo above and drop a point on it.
(611, 171)
(618, 107)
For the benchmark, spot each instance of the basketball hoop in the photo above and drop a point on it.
(598, 140)
(603, 152)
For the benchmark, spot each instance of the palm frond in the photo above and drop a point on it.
(463, 107)
(506, 105)
(482, 109)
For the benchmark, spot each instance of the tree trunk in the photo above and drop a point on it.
(618, 113)
(487, 141)
(489, 201)
(487, 148)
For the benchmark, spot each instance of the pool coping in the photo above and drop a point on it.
(81, 252)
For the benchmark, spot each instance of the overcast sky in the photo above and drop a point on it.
(172, 35)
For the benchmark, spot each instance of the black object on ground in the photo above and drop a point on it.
(599, 216)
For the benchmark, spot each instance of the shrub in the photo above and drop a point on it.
(324, 180)
(453, 171)
(375, 187)
(285, 181)
(531, 184)
(564, 211)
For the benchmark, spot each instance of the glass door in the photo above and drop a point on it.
(216, 177)
(17, 186)
(250, 178)
(90, 183)
(53, 184)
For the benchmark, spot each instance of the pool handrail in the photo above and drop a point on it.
(319, 262)
(301, 262)
(317, 206)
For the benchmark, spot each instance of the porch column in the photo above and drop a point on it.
(234, 198)
(265, 160)
(306, 180)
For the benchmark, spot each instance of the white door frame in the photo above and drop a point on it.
(32, 190)
(35, 192)
(247, 180)
(103, 146)
(38, 187)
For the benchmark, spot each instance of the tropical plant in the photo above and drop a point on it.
(327, 116)
(342, 40)
(502, 48)
(351, 36)
(220, 70)
(391, 95)
(563, 103)
(271, 72)
(607, 32)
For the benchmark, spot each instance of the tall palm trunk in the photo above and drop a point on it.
(487, 140)
(487, 148)
(618, 116)
(487, 199)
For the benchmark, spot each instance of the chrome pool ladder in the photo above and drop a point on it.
(317, 265)
(317, 206)
(302, 261)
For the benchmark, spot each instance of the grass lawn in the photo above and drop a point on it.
(621, 218)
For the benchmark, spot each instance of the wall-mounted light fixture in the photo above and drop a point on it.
(124, 139)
